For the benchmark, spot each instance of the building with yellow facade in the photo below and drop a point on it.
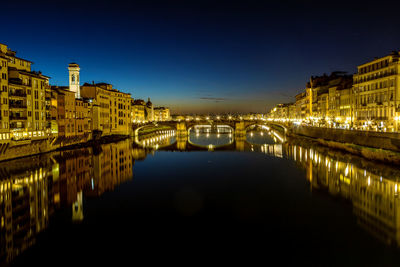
(376, 93)
(111, 109)
(138, 111)
(161, 114)
(23, 99)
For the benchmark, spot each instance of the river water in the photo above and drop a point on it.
(193, 202)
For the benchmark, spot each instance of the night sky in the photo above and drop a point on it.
(201, 56)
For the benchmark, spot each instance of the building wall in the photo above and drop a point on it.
(23, 105)
(81, 115)
(113, 115)
(376, 92)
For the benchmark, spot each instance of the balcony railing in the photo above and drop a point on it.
(17, 105)
(17, 93)
(14, 125)
(17, 118)
(376, 119)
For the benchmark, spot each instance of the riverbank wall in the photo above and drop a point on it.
(380, 146)
(25, 148)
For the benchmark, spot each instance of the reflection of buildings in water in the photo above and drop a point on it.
(375, 198)
(74, 169)
(24, 208)
(110, 168)
(77, 208)
(138, 153)
(272, 149)
(34, 189)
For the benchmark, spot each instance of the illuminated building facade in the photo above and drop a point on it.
(377, 93)
(161, 114)
(111, 109)
(138, 111)
(23, 104)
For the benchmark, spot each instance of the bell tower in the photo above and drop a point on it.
(74, 69)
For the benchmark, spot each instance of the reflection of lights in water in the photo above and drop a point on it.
(251, 134)
(262, 134)
(346, 171)
(230, 135)
(369, 180)
(218, 135)
(380, 179)
(208, 135)
(395, 188)
(365, 172)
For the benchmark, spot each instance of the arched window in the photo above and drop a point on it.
(73, 78)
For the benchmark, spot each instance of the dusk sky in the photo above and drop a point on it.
(200, 56)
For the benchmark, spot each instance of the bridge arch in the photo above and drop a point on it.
(162, 133)
(191, 126)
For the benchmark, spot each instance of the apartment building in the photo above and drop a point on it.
(22, 98)
(376, 93)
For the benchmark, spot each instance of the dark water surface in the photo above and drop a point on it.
(266, 202)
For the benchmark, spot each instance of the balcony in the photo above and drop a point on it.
(14, 117)
(17, 105)
(18, 93)
(15, 125)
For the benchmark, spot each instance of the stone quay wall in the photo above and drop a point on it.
(24, 148)
(379, 140)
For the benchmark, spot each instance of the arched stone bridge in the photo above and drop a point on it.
(183, 143)
(183, 127)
